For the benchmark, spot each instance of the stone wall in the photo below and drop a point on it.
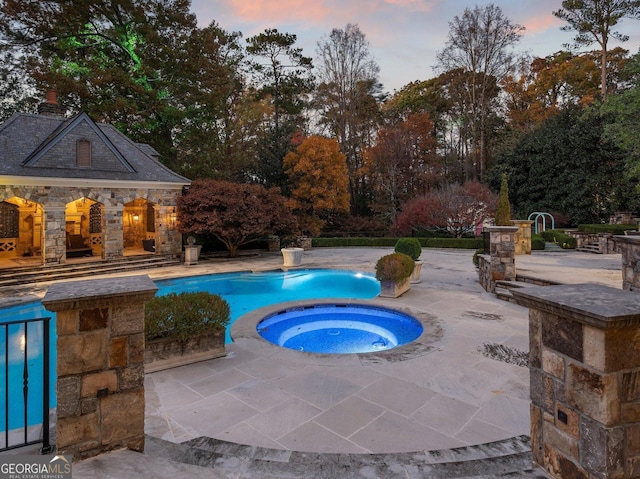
(100, 363)
(630, 249)
(53, 201)
(585, 380)
(502, 260)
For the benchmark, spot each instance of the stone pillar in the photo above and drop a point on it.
(100, 363)
(55, 239)
(585, 380)
(168, 238)
(630, 249)
(113, 232)
(502, 252)
(522, 238)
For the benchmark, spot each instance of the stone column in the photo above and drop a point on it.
(55, 239)
(522, 238)
(630, 248)
(168, 238)
(113, 232)
(585, 380)
(502, 252)
(100, 363)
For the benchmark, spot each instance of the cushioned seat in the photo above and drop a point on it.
(76, 248)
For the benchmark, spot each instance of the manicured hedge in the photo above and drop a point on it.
(560, 238)
(462, 243)
(615, 229)
(537, 242)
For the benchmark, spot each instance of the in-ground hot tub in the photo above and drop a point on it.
(339, 328)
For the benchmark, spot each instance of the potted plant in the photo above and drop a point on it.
(184, 328)
(412, 248)
(394, 273)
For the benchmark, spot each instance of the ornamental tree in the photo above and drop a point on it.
(456, 209)
(503, 212)
(234, 213)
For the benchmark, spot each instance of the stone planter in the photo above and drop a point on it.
(292, 256)
(191, 254)
(165, 353)
(394, 289)
(417, 268)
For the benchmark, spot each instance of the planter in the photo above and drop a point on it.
(165, 353)
(394, 289)
(292, 256)
(417, 267)
(191, 254)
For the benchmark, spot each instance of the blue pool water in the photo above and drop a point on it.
(339, 329)
(244, 292)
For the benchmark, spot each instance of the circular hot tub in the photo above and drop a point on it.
(339, 328)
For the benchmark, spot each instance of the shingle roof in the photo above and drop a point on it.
(45, 146)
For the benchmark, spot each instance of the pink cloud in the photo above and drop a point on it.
(282, 10)
(542, 23)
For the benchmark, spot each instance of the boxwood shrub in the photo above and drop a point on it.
(394, 267)
(409, 246)
(183, 315)
(537, 242)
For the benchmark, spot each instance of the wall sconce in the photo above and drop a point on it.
(136, 217)
(172, 217)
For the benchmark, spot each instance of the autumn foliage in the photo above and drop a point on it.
(456, 209)
(234, 213)
(318, 175)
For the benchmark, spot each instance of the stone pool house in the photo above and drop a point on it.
(70, 187)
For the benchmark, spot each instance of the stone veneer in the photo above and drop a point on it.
(501, 263)
(630, 249)
(522, 239)
(100, 363)
(585, 380)
(53, 200)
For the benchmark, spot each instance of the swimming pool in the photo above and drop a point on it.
(243, 291)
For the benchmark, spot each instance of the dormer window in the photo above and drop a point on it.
(83, 153)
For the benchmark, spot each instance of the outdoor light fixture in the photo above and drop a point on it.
(136, 217)
(172, 217)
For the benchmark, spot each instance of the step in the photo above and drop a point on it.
(508, 458)
(62, 272)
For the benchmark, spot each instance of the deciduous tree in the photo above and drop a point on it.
(456, 209)
(234, 213)
(479, 43)
(346, 99)
(317, 171)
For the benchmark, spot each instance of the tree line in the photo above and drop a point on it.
(344, 153)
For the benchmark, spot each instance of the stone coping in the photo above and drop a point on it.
(98, 292)
(596, 305)
(244, 333)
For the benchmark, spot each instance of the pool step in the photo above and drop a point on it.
(510, 458)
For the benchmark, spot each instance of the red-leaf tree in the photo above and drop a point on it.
(234, 213)
(456, 209)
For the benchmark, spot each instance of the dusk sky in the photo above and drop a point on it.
(404, 35)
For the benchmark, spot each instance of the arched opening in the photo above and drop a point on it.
(139, 227)
(84, 226)
(21, 232)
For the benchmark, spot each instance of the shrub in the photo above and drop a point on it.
(559, 237)
(503, 211)
(461, 243)
(475, 259)
(537, 242)
(614, 229)
(409, 246)
(394, 267)
(181, 316)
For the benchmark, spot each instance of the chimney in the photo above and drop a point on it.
(51, 107)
